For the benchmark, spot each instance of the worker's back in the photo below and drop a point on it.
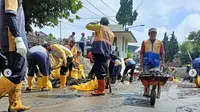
(103, 41)
(196, 63)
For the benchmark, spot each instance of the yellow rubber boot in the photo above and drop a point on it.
(15, 100)
(63, 80)
(30, 83)
(46, 84)
(39, 83)
(49, 85)
(197, 82)
(5, 86)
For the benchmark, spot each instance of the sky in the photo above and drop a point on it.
(180, 16)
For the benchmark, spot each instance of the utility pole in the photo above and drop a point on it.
(189, 56)
(60, 33)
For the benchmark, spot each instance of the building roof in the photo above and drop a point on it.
(120, 32)
(36, 37)
(132, 48)
(127, 34)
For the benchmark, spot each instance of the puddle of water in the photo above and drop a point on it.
(122, 95)
(137, 101)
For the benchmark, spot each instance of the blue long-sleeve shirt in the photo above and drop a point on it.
(131, 62)
(196, 63)
(12, 24)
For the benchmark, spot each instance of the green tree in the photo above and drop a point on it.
(173, 47)
(47, 12)
(51, 37)
(186, 46)
(194, 37)
(192, 45)
(125, 15)
(129, 54)
(166, 46)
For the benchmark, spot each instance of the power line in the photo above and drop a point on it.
(100, 11)
(139, 5)
(150, 5)
(91, 11)
(108, 6)
(72, 25)
(97, 17)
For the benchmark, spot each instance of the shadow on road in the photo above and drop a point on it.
(133, 100)
(137, 101)
(113, 95)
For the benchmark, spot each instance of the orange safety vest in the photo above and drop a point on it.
(103, 41)
(152, 53)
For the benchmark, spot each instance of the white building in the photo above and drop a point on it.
(122, 39)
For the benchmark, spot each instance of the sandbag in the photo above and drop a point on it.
(175, 80)
(88, 86)
(77, 73)
(55, 74)
(81, 69)
(74, 74)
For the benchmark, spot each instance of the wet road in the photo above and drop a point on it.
(175, 97)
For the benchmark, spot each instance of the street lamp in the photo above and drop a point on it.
(127, 29)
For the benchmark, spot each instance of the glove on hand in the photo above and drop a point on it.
(20, 46)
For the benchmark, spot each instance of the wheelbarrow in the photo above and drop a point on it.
(156, 79)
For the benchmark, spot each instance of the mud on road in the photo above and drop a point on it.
(175, 97)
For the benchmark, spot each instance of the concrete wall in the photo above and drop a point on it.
(122, 51)
(122, 48)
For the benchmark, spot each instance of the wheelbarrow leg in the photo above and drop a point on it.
(146, 91)
(158, 91)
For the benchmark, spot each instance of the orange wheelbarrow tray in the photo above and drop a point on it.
(151, 79)
(156, 79)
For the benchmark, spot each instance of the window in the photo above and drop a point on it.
(115, 41)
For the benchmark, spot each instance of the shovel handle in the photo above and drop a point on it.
(108, 78)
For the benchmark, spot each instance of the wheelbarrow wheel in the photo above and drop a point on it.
(153, 97)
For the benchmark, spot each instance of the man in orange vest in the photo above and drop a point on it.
(151, 54)
(13, 48)
(101, 49)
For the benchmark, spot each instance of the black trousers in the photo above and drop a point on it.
(132, 67)
(13, 66)
(100, 66)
